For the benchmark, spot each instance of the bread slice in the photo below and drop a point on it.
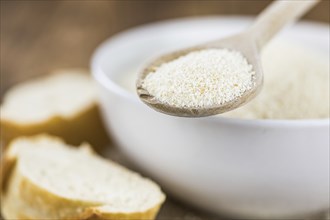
(45, 179)
(63, 103)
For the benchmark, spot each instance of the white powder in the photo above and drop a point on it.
(201, 79)
(296, 84)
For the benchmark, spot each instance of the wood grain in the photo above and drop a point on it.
(39, 36)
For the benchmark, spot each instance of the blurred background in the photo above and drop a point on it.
(39, 36)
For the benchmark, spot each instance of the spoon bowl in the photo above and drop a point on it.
(248, 49)
(248, 43)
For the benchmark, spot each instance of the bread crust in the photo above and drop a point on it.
(86, 125)
(24, 199)
(79, 123)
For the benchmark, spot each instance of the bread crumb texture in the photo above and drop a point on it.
(201, 79)
(296, 85)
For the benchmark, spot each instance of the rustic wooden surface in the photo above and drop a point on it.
(39, 36)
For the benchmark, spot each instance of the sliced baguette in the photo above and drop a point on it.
(45, 179)
(63, 103)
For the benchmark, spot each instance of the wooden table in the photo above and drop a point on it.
(40, 36)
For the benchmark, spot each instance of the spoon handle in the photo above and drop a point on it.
(276, 16)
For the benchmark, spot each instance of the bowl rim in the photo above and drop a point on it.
(101, 77)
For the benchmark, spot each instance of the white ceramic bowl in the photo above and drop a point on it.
(250, 168)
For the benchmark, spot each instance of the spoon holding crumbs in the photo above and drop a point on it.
(217, 76)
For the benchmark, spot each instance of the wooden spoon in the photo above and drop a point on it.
(249, 43)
